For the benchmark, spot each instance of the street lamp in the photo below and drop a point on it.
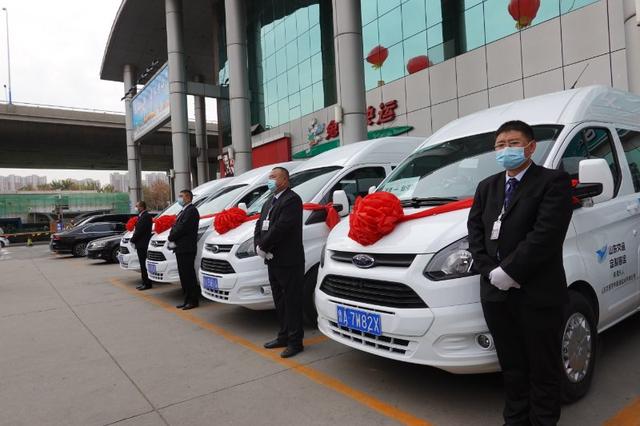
(6, 15)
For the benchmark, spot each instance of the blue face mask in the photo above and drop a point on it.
(511, 157)
(181, 201)
(271, 184)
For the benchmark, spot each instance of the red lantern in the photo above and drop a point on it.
(523, 12)
(418, 63)
(377, 56)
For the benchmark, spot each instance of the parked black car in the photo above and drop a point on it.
(106, 248)
(121, 218)
(75, 240)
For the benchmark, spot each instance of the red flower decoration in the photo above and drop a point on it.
(377, 56)
(377, 214)
(163, 223)
(131, 223)
(418, 63)
(523, 12)
(230, 219)
(333, 218)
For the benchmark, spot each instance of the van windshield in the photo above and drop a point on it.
(306, 184)
(220, 200)
(451, 170)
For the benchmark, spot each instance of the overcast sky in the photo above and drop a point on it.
(56, 53)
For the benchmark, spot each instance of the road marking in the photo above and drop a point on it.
(309, 372)
(628, 416)
(315, 340)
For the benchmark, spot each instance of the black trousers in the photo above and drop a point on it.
(188, 278)
(528, 343)
(142, 257)
(287, 284)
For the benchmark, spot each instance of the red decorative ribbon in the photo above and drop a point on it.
(377, 214)
(131, 223)
(333, 218)
(229, 219)
(163, 223)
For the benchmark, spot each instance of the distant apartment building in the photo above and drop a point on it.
(152, 178)
(119, 181)
(14, 183)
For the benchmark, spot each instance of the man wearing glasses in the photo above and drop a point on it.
(517, 226)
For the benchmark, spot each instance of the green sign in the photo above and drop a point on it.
(373, 134)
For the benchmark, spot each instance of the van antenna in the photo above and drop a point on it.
(573, 86)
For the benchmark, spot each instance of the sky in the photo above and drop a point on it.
(56, 50)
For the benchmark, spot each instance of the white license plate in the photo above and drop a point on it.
(366, 322)
(151, 268)
(210, 283)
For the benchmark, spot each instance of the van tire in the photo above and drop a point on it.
(79, 250)
(579, 326)
(308, 297)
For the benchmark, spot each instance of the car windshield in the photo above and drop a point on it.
(451, 170)
(306, 184)
(221, 199)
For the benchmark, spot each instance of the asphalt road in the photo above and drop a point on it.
(80, 346)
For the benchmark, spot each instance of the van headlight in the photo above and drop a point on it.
(246, 249)
(322, 252)
(453, 261)
(201, 231)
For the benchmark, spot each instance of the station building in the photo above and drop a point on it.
(296, 77)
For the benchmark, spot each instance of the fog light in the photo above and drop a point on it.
(485, 341)
(265, 290)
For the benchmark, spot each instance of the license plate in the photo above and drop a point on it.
(151, 267)
(359, 320)
(210, 283)
(120, 258)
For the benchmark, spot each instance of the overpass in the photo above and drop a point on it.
(53, 137)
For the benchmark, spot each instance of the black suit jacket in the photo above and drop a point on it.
(533, 230)
(142, 231)
(185, 231)
(284, 237)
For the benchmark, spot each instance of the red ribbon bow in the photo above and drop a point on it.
(164, 222)
(131, 223)
(229, 219)
(377, 214)
(333, 218)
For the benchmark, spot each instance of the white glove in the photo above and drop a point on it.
(171, 245)
(261, 252)
(501, 280)
(269, 256)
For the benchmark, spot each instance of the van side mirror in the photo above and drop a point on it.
(340, 199)
(595, 177)
(372, 189)
(242, 206)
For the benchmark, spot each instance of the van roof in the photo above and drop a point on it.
(591, 103)
(261, 173)
(379, 151)
(210, 185)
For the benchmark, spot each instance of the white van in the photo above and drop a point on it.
(232, 273)
(411, 296)
(240, 190)
(128, 256)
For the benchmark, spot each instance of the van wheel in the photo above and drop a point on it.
(79, 250)
(579, 346)
(308, 301)
(114, 254)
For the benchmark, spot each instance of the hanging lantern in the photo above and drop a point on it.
(377, 56)
(418, 63)
(523, 12)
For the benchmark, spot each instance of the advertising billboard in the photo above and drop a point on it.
(150, 106)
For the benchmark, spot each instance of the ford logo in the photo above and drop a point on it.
(214, 248)
(363, 261)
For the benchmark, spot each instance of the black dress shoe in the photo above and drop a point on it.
(291, 351)
(181, 306)
(275, 343)
(145, 287)
(140, 287)
(189, 306)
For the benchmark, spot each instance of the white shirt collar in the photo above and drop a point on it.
(278, 194)
(519, 176)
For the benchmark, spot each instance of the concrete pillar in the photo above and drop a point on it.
(238, 83)
(347, 27)
(201, 138)
(178, 96)
(133, 148)
(632, 43)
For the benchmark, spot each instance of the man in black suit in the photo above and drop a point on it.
(183, 240)
(140, 240)
(517, 226)
(278, 238)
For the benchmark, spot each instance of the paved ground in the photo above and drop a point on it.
(79, 346)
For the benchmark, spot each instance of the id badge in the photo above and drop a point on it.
(265, 225)
(495, 231)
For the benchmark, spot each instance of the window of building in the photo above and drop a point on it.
(631, 145)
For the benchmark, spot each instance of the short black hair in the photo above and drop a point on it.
(187, 192)
(285, 171)
(517, 125)
(142, 204)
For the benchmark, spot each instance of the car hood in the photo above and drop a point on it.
(111, 238)
(234, 236)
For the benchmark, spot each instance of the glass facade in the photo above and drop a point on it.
(401, 36)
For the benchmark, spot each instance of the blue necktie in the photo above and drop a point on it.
(512, 185)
